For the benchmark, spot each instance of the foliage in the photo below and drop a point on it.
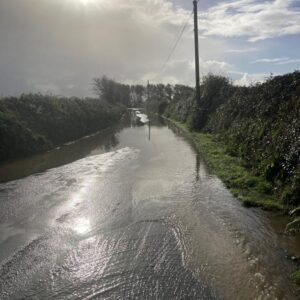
(249, 189)
(214, 92)
(296, 277)
(35, 122)
(259, 124)
(158, 96)
(182, 103)
(112, 91)
(137, 95)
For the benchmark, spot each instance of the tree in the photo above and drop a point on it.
(112, 91)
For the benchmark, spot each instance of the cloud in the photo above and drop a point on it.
(256, 20)
(248, 79)
(270, 60)
(277, 61)
(247, 50)
(215, 67)
(59, 46)
(289, 61)
(186, 70)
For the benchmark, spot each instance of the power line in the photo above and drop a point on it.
(177, 41)
(179, 36)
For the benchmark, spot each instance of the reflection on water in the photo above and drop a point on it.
(82, 225)
(146, 220)
(100, 142)
(197, 166)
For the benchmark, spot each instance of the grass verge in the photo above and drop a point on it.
(252, 191)
(296, 277)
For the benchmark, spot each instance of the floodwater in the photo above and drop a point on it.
(134, 213)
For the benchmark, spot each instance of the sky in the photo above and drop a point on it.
(59, 46)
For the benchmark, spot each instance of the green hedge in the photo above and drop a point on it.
(34, 122)
(260, 124)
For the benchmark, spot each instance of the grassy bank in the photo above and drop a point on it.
(259, 126)
(296, 277)
(249, 189)
(34, 123)
(252, 191)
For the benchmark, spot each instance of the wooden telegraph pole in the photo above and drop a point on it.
(148, 85)
(196, 53)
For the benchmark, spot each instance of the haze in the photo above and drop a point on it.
(59, 46)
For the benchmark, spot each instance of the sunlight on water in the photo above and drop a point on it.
(146, 220)
(82, 226)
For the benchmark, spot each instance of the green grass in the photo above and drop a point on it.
(296, 277)
(252, 191)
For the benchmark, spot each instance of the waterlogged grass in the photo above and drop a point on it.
(252, 191)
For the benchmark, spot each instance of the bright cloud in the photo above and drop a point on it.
(249, 79)
(290, 61)
(246, 50)
(215, 67)
(59, 46)
(187, 70)
(257, 20)
(277, 61)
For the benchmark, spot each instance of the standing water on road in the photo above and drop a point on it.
(133, 213)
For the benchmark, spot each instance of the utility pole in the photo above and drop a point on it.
(196, 53)
(148, 85)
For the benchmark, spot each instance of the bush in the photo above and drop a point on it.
(260, 124)
(35, 122)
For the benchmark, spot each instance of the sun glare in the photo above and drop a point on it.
(82, 226)
(85, 2)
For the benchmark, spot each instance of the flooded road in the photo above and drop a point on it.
(134, 213)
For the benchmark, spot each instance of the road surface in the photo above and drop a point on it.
(133, 214)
